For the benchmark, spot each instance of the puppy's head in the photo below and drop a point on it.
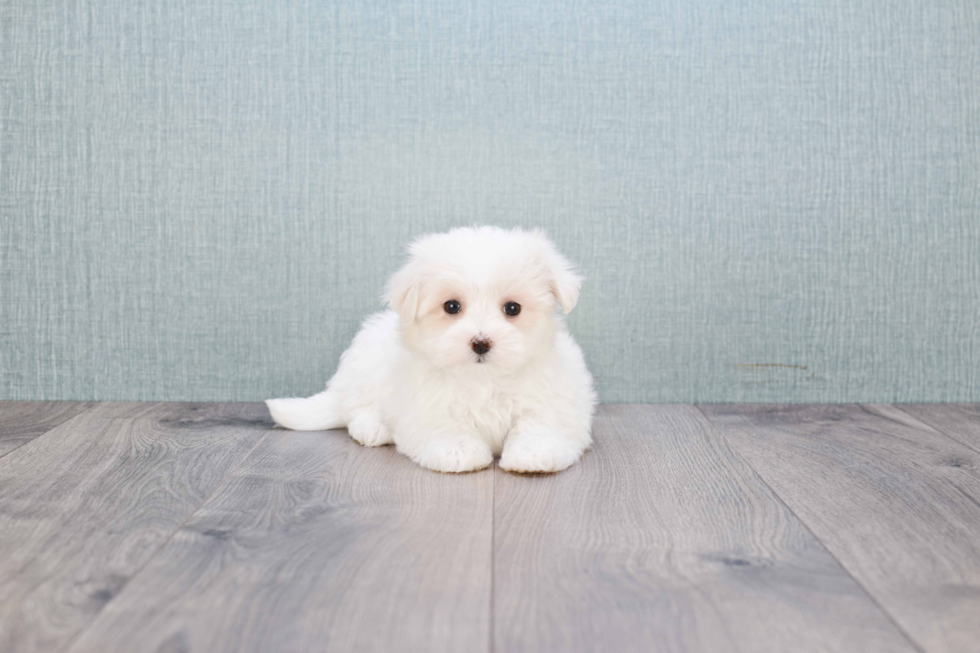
(482, 296)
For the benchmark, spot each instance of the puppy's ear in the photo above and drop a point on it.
(565, 282)
(402, 292)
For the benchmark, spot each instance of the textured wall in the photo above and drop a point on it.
(771, 200)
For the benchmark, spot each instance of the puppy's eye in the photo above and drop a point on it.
(452, 307)
(512, 308)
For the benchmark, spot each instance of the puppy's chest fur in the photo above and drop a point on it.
(487, 408)
(476, 401)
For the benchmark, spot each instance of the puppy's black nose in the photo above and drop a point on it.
(480, 345)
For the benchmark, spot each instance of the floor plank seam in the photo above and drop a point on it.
(53, 427)
(823, 544)
(937, 429)
(493, 556)
(163, 544)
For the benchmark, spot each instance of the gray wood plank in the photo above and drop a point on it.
(897, 502)
(662, 539)
(317, 544)
(959, 421)
(22, 421)
(84, 506)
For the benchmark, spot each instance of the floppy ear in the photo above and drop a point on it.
(565, 283)
(402, 292)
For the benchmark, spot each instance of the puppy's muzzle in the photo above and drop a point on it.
(480, 345)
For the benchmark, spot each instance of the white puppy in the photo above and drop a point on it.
(473, 361)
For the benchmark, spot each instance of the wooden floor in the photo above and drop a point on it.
(198, 527)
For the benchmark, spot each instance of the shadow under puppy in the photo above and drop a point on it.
(471, 360)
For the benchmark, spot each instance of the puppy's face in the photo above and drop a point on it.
(482, 296)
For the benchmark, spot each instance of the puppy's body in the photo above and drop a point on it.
(451, 390)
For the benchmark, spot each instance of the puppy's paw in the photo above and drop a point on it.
(455, 455)
(528, 455)
(368, 429)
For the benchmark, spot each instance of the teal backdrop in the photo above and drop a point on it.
(770, 200)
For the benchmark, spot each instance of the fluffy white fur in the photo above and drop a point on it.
(413, 378)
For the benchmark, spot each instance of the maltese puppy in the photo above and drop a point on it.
(471, 360)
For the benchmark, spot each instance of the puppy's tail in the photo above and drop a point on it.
(317, 413)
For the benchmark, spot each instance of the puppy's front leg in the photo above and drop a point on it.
(451, 453)
(539, 446)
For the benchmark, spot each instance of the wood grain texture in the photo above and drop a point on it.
(959, 421)
(662, 539)
(83, 507)
(22, 421)
(317, 544)
(897, 502)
